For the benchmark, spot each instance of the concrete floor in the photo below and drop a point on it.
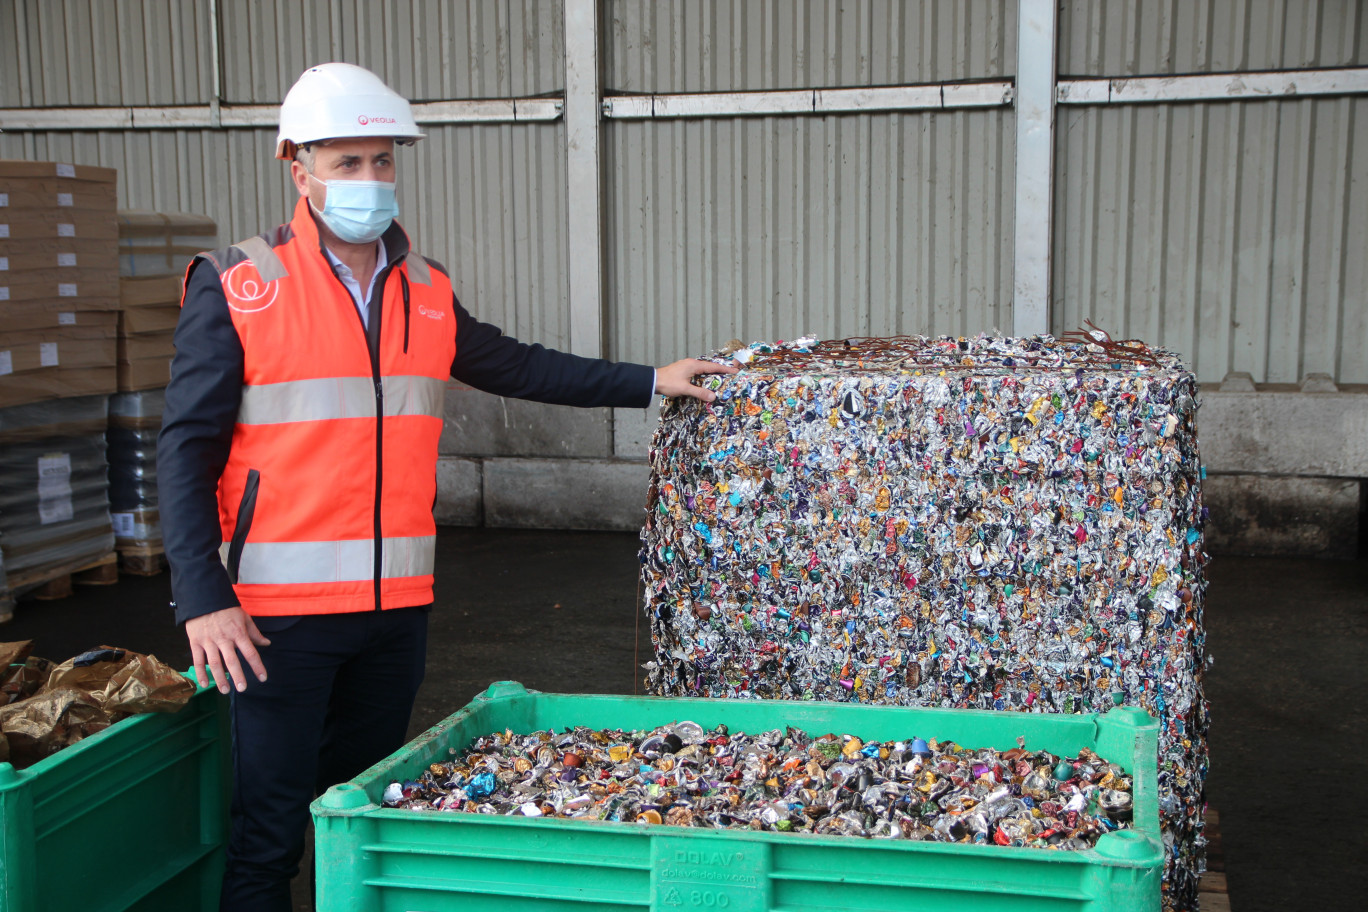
(558, 611)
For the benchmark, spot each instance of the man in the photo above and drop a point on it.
(297, 464)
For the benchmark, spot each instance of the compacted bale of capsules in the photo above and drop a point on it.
(992, 523)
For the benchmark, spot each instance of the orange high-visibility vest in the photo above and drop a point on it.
(326, 500)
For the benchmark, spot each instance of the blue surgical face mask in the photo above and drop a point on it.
(358, 211)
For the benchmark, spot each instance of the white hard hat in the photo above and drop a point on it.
(336, 100)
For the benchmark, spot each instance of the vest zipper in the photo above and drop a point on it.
(243, 525)
(373, 343)
(403, 281)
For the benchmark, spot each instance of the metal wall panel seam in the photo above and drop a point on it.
(108, 76)
(21, 40)
(1247, 86)
(215, 64)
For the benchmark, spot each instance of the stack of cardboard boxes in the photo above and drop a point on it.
(59, 295)
(154, 250)
(59, 281)
(148, 310)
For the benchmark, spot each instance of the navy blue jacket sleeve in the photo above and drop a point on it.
(192, 449)
(490, 361)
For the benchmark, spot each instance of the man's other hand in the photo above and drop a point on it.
(677, 379)
(217, 638)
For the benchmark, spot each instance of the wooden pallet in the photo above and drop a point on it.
(1211, 889)
(142, 561)
(58, 581)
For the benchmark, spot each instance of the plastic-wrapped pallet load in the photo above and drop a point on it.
(58, 281)
(54, 487)
(6, 600)
(134, 419)
(1010, 524)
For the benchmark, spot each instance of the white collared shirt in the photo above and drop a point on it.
(343, 272)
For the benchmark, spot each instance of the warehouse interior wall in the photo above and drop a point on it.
(1230, 231)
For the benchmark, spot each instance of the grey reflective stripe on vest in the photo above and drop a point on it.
(329, 398)
(267, 264)
(419, 272)
(284, 563)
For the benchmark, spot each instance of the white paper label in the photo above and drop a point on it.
(67, 318)
(66, 289)
(4, 292)
(66, 229)
(54, 488)
(4, 199)
(4, 230)
(130, 528)
(123, 524)
(66, 170)
(47, 354)
(66, 259)
(64, 199)
(4, 263)
(6, 363)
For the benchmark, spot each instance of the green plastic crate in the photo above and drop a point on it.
(374, 858)
(134, 817)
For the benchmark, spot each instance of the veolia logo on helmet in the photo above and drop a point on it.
(362, 119)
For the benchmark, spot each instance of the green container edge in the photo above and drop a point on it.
(1139, 848)
(19, 843)
(9, 774)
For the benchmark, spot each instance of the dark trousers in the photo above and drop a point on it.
(337, 699)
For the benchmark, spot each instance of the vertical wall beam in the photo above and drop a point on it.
(584, 177)
(1037, 42)
(216, 64)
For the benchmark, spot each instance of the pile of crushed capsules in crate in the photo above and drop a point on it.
(785, 781)
(990, 523)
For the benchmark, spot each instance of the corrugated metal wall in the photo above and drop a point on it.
(425, 49)
(729, 46)
(86, 52)
(1150, 37)
(765, 228)
(487, 201)
(1235, 232)
(769, 228)
(1231, 232)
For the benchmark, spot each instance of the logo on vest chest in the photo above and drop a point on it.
(430, 313)
(245, 291)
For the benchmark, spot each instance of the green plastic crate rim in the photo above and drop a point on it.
(373, 858)
(132, 817)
